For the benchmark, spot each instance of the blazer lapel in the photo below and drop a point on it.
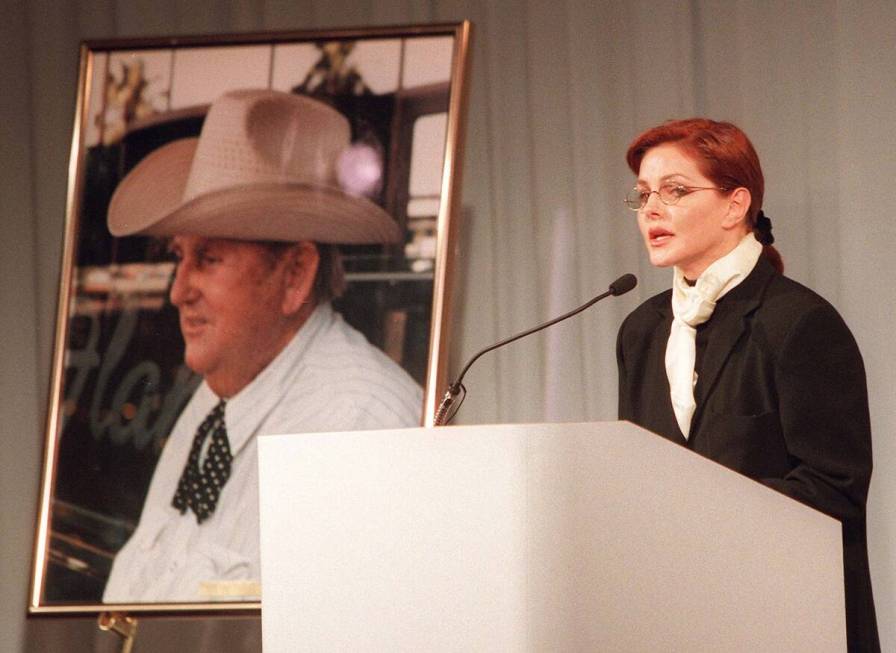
(666, 423)
(728, 324)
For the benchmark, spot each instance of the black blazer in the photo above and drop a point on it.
(781, 398)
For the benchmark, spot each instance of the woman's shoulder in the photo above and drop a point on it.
(648, 314)
(793, 317)
(787, 301)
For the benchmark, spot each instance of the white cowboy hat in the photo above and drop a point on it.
(263, 168)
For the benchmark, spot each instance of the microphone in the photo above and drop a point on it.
(619, 287)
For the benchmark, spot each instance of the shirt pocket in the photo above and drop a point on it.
(223, 563)
(227, 574)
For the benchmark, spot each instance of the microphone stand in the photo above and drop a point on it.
(619, 287)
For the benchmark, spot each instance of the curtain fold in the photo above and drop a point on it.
(558, 91)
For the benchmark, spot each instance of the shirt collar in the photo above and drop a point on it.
(247, 409)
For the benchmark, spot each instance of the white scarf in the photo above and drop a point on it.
(691, 307)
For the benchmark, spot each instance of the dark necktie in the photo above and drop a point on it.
(199, 489)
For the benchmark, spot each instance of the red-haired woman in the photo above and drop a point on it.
(736, 361)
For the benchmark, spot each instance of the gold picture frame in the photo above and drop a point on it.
(119, 380)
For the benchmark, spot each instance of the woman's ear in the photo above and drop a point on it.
(301, 262)
(738, 205)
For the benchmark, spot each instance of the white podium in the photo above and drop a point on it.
(542, 537)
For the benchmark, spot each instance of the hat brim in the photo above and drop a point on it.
(149, 201)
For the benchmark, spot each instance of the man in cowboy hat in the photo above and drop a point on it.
(253, 209)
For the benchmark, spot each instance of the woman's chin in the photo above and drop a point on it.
(661, 259)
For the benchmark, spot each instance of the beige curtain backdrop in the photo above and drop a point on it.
(558, 90)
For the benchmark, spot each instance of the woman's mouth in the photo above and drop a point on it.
(658, 236)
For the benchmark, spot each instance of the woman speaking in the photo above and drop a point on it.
(737, 362)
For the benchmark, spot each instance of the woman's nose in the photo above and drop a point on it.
(654, 208)
(653, 203)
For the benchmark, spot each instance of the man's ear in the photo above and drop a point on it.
(738, 206)
(301, 261)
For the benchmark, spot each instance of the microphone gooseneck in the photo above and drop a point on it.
(619, 287)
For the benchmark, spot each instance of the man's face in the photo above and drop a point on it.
(230, 295)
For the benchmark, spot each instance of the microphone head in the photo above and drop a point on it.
(623, 284)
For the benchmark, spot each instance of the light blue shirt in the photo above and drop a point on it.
(328, 378)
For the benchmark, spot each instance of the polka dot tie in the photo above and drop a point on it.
(199, 489)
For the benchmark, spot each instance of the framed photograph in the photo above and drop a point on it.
(258, 240)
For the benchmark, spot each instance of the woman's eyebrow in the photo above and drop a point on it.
(665, 178)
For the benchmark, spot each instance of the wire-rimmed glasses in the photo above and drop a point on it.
(669, 194)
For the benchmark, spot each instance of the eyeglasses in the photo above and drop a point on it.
(669, 194)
